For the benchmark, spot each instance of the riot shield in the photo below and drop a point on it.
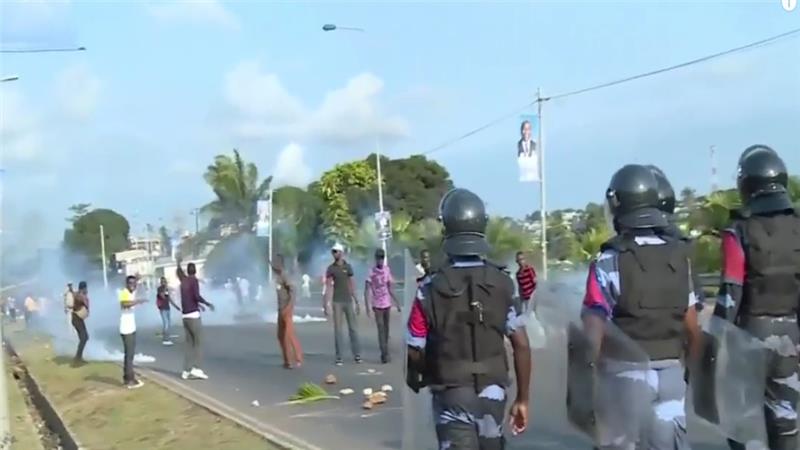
(605, 392)
(418, 426)
(728, 381)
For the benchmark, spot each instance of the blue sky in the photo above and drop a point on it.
(131, 123)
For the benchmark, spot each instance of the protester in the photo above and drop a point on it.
(69, 298)
(191, 305)
(79, 313)
(378, 288)
(424, 266)
(127, 329)
(306, 286)
(31, 311)
(526, 281)
(164, 303)
(340, 291)
(290, 346)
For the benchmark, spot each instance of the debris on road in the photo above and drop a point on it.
(310, 392)
(378, 398)
(367, 392)
(386, 388)
(370, 370)
(346, 391)
(255, 403)
(367, 405)
(330, 379)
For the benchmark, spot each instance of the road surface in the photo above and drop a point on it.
(244, 365)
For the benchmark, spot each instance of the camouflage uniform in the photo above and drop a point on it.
(779, 334)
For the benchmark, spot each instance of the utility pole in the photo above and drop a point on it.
(380, 186)
(103, 252)
(542, 195)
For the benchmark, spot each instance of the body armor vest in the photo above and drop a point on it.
(467, 309)
(654, 295)
(772, 274)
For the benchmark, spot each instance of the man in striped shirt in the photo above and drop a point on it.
(526, 281)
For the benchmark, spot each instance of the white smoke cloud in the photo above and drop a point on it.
(264, 108)
(291, 168)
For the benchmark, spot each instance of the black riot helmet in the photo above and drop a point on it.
(762, 180)
(666, 195)
(632, 198)
(463, 215)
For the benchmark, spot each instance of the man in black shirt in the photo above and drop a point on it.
(340, 290)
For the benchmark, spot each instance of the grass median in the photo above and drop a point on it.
(104, 415)
(23, 431)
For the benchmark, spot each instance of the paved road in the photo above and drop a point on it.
(244, 364)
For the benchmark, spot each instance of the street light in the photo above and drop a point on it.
(46, 50)
(332, 27)
(9, 78)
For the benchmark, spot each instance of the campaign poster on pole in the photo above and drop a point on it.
(528, 149)
(383, 224)
(263, 208)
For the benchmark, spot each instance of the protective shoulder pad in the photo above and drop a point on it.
(617, 243)
(740, 214)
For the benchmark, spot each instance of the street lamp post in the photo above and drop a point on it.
(45, 50)
(9, 78)
(333, 27)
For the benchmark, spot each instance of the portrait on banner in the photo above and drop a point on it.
(528, 150)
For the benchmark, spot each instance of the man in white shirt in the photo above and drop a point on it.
(306, 286)
(127, 329)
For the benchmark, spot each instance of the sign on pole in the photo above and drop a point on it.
(528, 150)
(264, 211)
(383, 224)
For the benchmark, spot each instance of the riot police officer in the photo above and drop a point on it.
(760, 291)
(640, 287)
(666, 203)
(456, 336)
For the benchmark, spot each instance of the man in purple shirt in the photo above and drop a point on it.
(191, 305)
(378, 288)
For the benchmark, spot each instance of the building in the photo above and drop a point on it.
(148, 244)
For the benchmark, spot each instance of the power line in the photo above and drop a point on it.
(493, 122)
(45, 50)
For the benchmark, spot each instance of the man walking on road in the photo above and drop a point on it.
(526, 281)
(164, 302)
(378, 288)
(191, 305)
(290, 346)
(80, 312)
(127, 329)
(341, 291)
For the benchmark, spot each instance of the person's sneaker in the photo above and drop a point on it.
(199, 374)
(339, 362)
(136, 384)
(185, 375)
(358, 360)
(166, 343)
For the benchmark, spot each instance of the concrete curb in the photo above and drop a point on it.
(273, 435)
(49, 413)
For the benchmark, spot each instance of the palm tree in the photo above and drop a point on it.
(592, 241)
(716, 210)
(237, 187)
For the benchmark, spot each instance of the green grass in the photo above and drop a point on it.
(103, 415)
(22, 427)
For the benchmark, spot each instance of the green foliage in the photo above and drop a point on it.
(593, 240)
(237, 188)
(83, 238)
(78, 210)
(308, 393)
(412, 185)
(339, 223)
(707, 257)
(506, 237)
(296, 221)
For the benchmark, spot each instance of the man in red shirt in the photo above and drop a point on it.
(526, 281)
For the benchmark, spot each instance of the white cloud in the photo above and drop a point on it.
(78, 92)
(197, 11)
(19, 128)
(264, 108)
(291, 168)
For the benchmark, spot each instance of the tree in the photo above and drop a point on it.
(166, 242)
(592, 241)
(237, 188)
(413, 185)
(84, 237)
(339, 222)
(78, 210)
(506, 238)
(296, 222)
